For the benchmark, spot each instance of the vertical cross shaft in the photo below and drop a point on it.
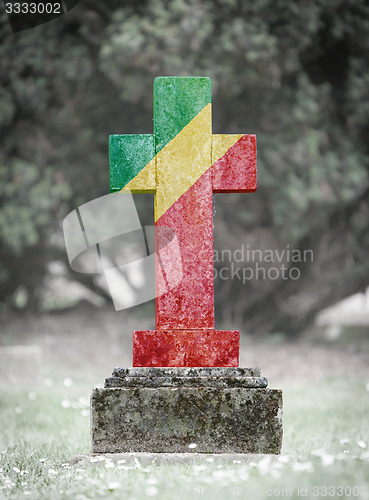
(183, 164)
(183, 199)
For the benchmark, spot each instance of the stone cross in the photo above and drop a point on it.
(183, 163)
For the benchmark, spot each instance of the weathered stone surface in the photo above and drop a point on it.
(186, 376)
(254, 382)
(172, 371)
(134, 152)
(235, 171)
(185, 164)
(206, 347)
(167, 412)
(165, 419)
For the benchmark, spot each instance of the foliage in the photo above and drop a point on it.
(40, 194)
(296, 74)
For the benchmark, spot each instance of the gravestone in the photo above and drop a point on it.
(185, 391)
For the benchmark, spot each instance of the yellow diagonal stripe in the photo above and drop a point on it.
(221, 143)
(183, 161)
(178, 165)
(145, 180)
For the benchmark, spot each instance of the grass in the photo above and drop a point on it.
(325, 451)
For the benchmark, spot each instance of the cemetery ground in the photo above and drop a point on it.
(44, 424)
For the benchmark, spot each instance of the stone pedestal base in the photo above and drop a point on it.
(170, 410)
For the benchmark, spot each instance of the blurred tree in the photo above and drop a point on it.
(296, 74)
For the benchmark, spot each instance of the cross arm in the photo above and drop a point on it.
(234, 163)
(132, 163)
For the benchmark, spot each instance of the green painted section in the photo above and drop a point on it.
(177, 100)
(128, 155)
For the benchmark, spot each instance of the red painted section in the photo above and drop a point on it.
(185, 334)
(235, 172)
(190, 305)
(185, 348)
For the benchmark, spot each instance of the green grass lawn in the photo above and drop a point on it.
(325, 451)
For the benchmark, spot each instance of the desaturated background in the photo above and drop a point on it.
(294, 73)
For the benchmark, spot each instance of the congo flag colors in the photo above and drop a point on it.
(183, 163)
